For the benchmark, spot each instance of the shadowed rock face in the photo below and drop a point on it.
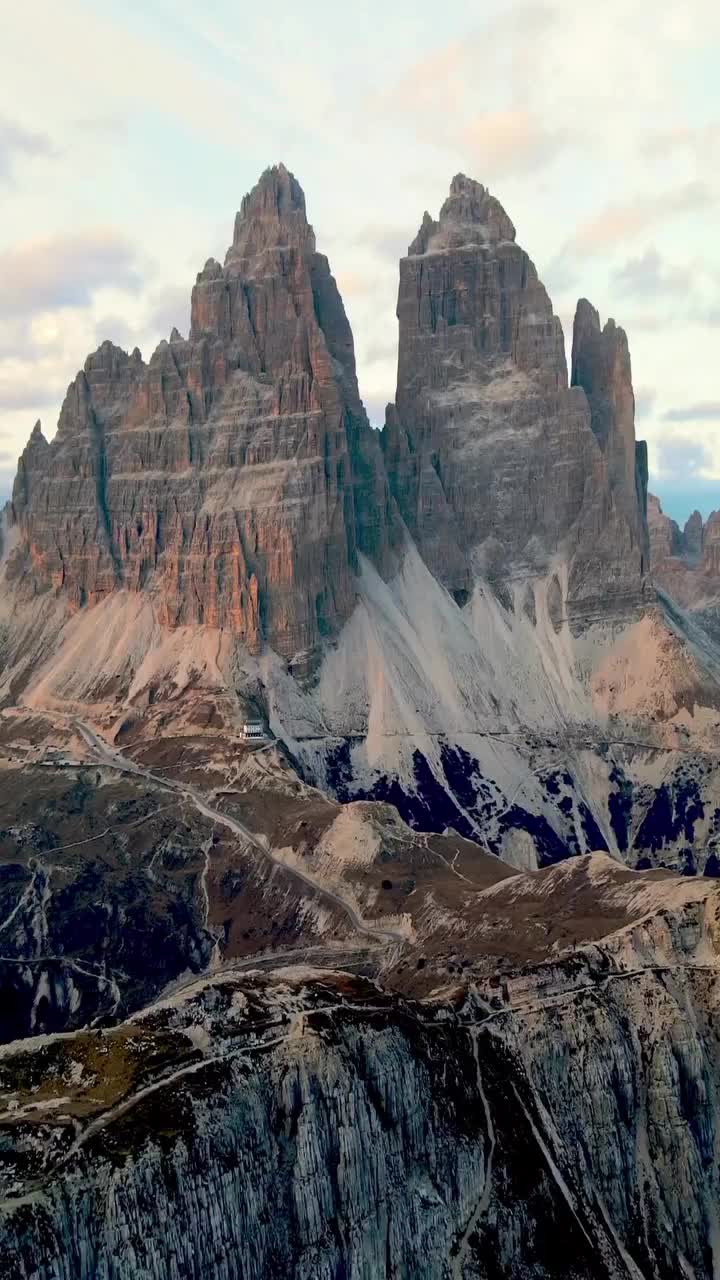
(601, 366)
(237, 470)
(234, 482)
(495, 462)
(693, 534)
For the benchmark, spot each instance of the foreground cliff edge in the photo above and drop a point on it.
(306, 1005)
(300, 1115)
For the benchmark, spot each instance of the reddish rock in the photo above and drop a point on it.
(236, 474)
(665, 537)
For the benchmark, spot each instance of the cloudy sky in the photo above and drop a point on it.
(128, 136)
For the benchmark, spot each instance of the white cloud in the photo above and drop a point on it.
(124, 71)
(168, 309)
(17, 143)
(22, 388)
(649, 276)
(513, 140)
(617, 223)
(702, 411)
(644, 401)
(701, 142)
(384, 239)
(66, 270)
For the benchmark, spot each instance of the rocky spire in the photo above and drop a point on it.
(686, 562)
(272, 215)
(601, 366)
(693, 535)
(491, 457)
(711, 547)
(32, 458)
(237, 476)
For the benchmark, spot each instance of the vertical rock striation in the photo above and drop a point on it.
(601, 366)
(237, 477)
(496, 463)
(236, 473)
(694, 549)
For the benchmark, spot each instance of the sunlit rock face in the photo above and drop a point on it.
(235, 475)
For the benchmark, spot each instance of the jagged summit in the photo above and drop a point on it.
(491, 456)
(587, 329)
(271, 216)
(693, 533)
(236, 472)
(480, 566)
(470, 215)
(276, 193)
(328, 980)
(601, 367)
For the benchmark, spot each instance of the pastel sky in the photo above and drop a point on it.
(129, 134)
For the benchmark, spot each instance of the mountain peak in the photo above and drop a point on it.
(461, 185)
(470, 215)
(277, 192)
(272, 216)
(586, 316)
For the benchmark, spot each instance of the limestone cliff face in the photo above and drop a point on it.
(236, 473)
(237, 478)
(686, 562)
(561, 1121)
(496, 463)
